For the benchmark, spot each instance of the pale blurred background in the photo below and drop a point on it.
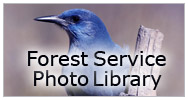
(22, 33)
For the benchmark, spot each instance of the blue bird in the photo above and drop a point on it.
(88, 34)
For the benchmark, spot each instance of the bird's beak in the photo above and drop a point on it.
(52, 19)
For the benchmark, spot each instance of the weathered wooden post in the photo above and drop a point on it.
(149, 41)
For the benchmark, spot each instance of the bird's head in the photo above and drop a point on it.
(81, 25)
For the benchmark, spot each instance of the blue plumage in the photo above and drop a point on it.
(87, 33)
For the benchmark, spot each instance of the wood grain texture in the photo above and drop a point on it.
(149, 41)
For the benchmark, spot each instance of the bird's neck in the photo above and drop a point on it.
(90, 45)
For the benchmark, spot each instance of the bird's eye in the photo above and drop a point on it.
(75, 19)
